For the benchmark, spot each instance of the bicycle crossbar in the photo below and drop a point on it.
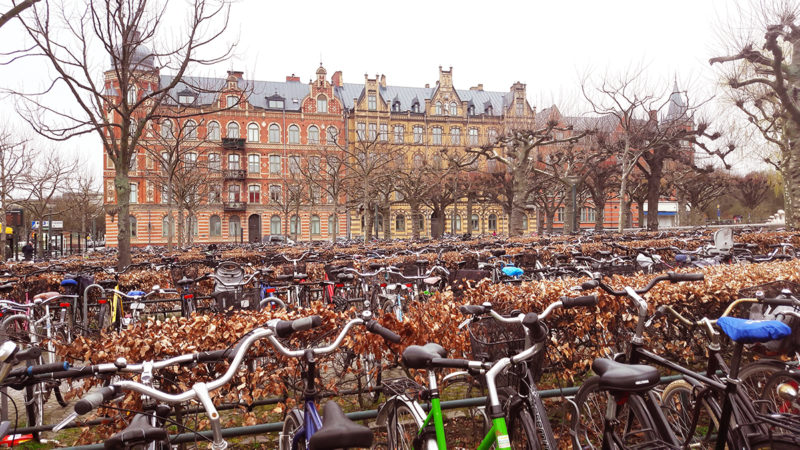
(275, 427)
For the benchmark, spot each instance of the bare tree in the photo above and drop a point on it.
(117, 105)
(751, 190)
(16, 10)
(49, 176)
(82, 199)
(326, 172)
(701, 189)
(16, 160)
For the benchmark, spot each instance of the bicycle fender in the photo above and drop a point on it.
(396, 401)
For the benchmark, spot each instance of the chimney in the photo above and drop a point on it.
(336, 79)
(427, 85)
(292, 77)
(479, 87)
(383, 80)
(236, 74)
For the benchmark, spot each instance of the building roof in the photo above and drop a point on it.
(677, 105)
(207, 89)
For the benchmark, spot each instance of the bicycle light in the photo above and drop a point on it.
(787, 391)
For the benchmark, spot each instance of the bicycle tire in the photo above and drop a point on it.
(402, 429)
(775, 442)
(772, 402)
(522, 429)
(754, 376)
(34, 406)
(292, 423)
(678, 405)
(586, 426)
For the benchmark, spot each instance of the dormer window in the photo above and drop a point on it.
(275, 104)
(489, 110)
(186, 98)
(415, 107)
(232, 101)
(396, 106)
(438, 110)
(471, 110)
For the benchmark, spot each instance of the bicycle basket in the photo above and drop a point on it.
(789, 344)
(491, 340)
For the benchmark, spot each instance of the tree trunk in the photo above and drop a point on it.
(469, 214)
(333, 232)
(550, 219)
(369, 225)
(599, 215)
(682, 222)
(640, 205)
(791, 180)
(123, 188)
(180, 226)
(624, 211)
(170, 218)
(387, 229)
(654, 192)
(415, 214)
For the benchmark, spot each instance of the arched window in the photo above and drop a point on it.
(453, 109)
(215, 225)
(418, 161)
(233, 130)
(212, 131)
(438, 108)
(492, 222)
(313, 135)
(252, 132)
(475, 222)
(524, 221)
(234, 227)
(294, 134)
(190, 129)
(322, 104)
(294, 225)
(315, 224)
(275, 225)
(132, 220)
(131, 95)
(400, 223)
(333, 225)
(274, 134)
(166, 129)
(330, 136)
(421, 223)
(457, 223)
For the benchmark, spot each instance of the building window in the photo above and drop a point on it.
(322, 104)
(315, 195)
(437, 136)
(560, 214)
(489, 110)
(212, 131)
(520, 107)
(214, 194)
(396, 106)
(134, 198)
(190, 127)
(233, 193)
(294, 225)
(233, 161)
(588, 215)
(524, 222)
(233, 131)
(492, 135)
(361, 131)
(275, 225)
(193, 225)
(214, 162)
(453, 109)
(133, 165)
(315, 228)
(455, 136)
(294, 164)
(215, 225)
(275, 104)
(473, 136)
(165, 196)
(274, 134)
(275, 193)
(232, 101)
(190, 160)
(234, 227)
(418, 161)
(274, 164)
(253, 163)
(313, 164)
(132, 221)
(151, 192)
(491, 165)
(384, 132)
(415, 107)
(294, 134)
(313, 135)
(471, 110)
(131, 95)
(398, 134)
(166, 129)
(254, 194)
(165, 226)
(475, 222)
(132, 128)
(418, 134)
(373, 132)
(333, 226)
(252, 132)
(492, 222)
(421, 224)
(457, 223)
(438, 111)
(372, 102)
(330, 136)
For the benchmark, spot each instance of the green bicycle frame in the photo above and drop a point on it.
(498, 433)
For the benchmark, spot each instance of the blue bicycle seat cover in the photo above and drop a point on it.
(69, 282)
(512, 271)
(136, 293)
(753, 331)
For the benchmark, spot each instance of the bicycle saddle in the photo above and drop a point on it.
(300, 276)
(137, 433)
(617, 376)
(753, 331)
(339, 432)
(69, 282)
(420, 356)
(285, 277)
(44, 296)
(421, 262)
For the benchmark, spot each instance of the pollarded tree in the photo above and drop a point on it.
(700, 189)
(117, 105)
(751, 189)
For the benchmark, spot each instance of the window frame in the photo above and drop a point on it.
(254, 194)
(213, 131)
(253, 132)
(436, 136)
(274, 133)
(312, 135)
(254, 162)
(294, 134)
(315, 225)
(232, 130)
(322, 103)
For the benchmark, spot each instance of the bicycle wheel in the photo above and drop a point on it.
(754, 376)
(291, 425)
(772, 402)
(775, 442)
(521, 427)
(369, 379)
(633, 427)
(402, 429)
(678, 404)
(461, 387)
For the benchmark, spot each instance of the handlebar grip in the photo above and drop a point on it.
(472, 310)
(778, 301)
(591, 284)
(450, 363)
(217, 355)
(374, 327)
(676, 277)
(95, 399)
(572, 302)
(285, 328)
(28, 353)
(47, 368)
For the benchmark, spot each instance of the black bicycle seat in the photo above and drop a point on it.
(420, 356)
(285, 277)
(339, 432)
(617, 376)
(139, 432)
(300, 276)
(344, 276)
(421, 262)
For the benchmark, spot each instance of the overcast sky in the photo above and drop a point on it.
(547, 45)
